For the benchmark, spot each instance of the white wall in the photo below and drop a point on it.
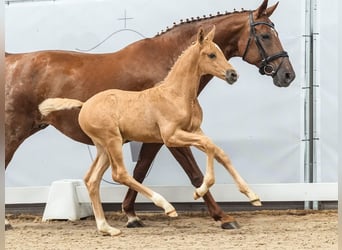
(327, 72)
(258, 124)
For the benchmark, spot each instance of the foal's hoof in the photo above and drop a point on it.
(172, 213)
(135, 223)
(110, 232)
(196, 196)
(230, 225)
(256, 203)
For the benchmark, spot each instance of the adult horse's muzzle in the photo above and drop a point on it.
(284, 75)
(231, 76)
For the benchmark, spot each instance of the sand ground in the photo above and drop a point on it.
(284, 229)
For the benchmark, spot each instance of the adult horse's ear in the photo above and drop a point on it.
(200, 35)
(264, 11)
(271, 9)
(211, 34)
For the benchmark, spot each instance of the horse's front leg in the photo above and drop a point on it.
(147, 154)
(222, 158)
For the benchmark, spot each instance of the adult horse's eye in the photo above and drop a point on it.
(211, 55)
(265, 36)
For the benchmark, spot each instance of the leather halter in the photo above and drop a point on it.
(266, 68)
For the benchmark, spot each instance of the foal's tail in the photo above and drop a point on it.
(55, 104)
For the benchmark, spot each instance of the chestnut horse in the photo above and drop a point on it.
(168, 113)
(34, 77)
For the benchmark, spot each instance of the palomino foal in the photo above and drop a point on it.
(168, 113)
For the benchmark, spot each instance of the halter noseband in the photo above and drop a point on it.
(266, 67)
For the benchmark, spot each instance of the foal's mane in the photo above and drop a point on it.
(199, 19)
(184, 52)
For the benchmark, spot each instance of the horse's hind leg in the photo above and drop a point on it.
(185, 158)
(147, 154)
(92, 181)
(119, 174)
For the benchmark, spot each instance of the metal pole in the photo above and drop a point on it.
(310, 86)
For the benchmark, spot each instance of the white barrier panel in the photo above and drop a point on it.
(26, 195)
(221, 192)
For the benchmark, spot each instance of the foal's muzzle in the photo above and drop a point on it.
(231, 76)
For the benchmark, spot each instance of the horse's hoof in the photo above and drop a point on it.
(230, 225)
(8, 227)
(135, 223)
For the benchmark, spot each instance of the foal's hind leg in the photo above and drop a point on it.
(92, 181)
(119, 174)
(147, 154)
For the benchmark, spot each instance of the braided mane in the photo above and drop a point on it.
(197, 19)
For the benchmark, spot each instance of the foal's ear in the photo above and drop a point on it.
(200, 36)
(211, 34)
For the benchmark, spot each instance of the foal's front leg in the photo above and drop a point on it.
(202, 142)
(186, 159)
(181, 138)
(222, 158)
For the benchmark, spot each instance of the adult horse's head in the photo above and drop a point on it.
(212, 59)
(260, 45)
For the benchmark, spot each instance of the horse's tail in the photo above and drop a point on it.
(55, 104)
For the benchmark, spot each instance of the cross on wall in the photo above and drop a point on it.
(125, 18)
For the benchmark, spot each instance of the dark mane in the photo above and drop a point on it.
(198, 19)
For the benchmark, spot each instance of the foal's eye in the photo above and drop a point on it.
(211, 55)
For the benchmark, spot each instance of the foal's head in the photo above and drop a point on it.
(212, 60)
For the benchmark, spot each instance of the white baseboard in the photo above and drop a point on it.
(221, 193)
